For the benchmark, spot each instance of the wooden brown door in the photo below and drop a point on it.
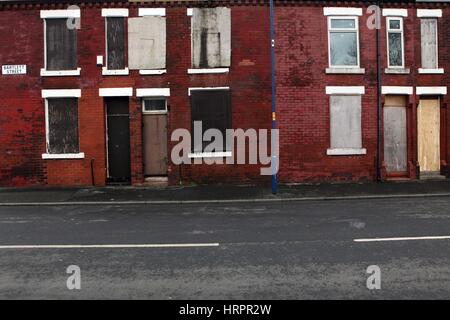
(395, 134)
(428, 126)
(155, 144)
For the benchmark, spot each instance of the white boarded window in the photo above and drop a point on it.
(395, 42)
(147, 43)
(211, 37)
(345, 125)
(429, 43)
(343, 41)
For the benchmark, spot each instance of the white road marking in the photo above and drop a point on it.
(110, 246)
(402, 239)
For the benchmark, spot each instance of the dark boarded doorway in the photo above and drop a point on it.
(118, 140)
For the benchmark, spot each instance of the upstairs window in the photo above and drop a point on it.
(60, 42)
(428, 32)
(343, 42)
(147, 41)
(429, 40)
(395, 43)
(211, 38)
(115, 41)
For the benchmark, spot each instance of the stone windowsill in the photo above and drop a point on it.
(345, 70)
(397, 70)
(346, 151)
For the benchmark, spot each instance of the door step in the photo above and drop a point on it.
(157, 182)
(431, 176)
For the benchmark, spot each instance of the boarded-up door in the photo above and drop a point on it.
(118, 136)
(428, 127)
(155, 137)
(395, 134)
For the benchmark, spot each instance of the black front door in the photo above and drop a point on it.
(118, 136)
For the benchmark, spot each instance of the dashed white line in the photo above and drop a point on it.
(402, 239)
(110, 246)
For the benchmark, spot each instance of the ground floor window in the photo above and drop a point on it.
(213, 109)
(345, 125)
(62, 125)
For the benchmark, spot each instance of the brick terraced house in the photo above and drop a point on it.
(92, 91)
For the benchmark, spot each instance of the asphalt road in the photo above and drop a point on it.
(286, 250)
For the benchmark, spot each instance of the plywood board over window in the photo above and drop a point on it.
(61, 45)
(147, 43)
(428, 30)
(115, 41)
(211, 37)
(213, 109)
(62, 120)
(345, 122)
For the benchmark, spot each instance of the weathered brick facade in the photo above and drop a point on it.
(22, 115)
(302, 105)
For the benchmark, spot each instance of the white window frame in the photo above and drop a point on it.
(350, 91)
(348, 30)
(432, 14)
(59, 93)
(57, 14)
(154, 111)
(113, 13)
(189, 13)
(402, 33)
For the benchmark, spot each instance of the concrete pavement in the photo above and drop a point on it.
(220, 193)
(296, 250)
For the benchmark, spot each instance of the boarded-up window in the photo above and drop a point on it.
(213, 109)
(211, 37)
(428, 30)
(345, 122)
(62, 119)
(115, 43)
(61, 45)
(147, 43)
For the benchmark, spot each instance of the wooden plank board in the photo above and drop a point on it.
(395, 134)
(428, 126)
(155, 144)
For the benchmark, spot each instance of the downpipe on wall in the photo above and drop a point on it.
(274, 162)
(378, 27)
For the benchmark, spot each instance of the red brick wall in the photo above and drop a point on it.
(22, 120)
(303, 106)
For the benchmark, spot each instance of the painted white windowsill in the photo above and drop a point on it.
(152, 72)
(346, 151)
(210, 154)
(431, 71)
(334, 70)
(63, 156)
(60, 73)
(211, 70)
(397, 70)
(120, 72)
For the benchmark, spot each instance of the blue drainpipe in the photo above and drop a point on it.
(274, 162)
